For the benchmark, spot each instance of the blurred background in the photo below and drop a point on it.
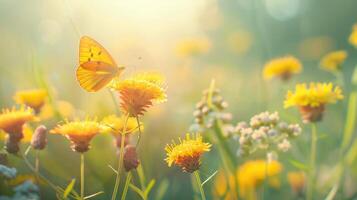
(235, 39)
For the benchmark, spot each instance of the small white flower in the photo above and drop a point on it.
(247, 131)
(197, 113)
(283, 126)
(258, 134)
(274, 117)
(284, 145)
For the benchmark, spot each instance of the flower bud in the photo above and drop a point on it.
(311, 114)
(39, 138)
(119, 138)
(130, 158)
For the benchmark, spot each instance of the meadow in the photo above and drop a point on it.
(178, 100)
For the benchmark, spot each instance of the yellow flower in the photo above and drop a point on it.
(252, 173)
(224, 187)
(80, 133)
(187, 153)
(311, 100)
(353, 37)
(193, 47)
(34, 99)
(27, 132)
(282, 67)
(12, 120)
(297, 181)
(316, 95)
(333, 61)
(115, 125)
(140, 92)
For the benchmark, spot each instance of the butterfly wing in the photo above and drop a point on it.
(96, 66)
(94, 75)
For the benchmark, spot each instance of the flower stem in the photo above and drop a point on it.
(199, 183)
(37, 165)
(139, 128)
(126, 187)
(121, 159)
(311, 179)
(82, 176)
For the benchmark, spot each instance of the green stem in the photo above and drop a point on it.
(37, 166)
(311, 179)
(82, 175)
(199, 183)
(139, 128)
(224, 145)
(121, 159)
(127, 182)
(350, 120)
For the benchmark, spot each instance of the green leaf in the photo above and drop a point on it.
(27, 150)
(112, 168)
(137, 190)
(210, 177)
(299, 165)
(93, 195)
(141, 176)
(331, 195)
(69, 188)
(149, 187)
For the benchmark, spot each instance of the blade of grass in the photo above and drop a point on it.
(210, 177)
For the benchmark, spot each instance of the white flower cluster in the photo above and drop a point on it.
(209, 109)
(265, 131)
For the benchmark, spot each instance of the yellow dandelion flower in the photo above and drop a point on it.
(152, 77)
(12, 120)
(353, 37)
(251, 175)
(193, 47)
(311, 100)
(333, 61)
(115, 125)
(140, 92)
(34, 99)
(283, 68)
(297, 181)
(187, 153)
(79, 133)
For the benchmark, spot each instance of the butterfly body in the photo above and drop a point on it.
(96, 66)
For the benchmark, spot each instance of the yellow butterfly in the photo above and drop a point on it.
(96, 67)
